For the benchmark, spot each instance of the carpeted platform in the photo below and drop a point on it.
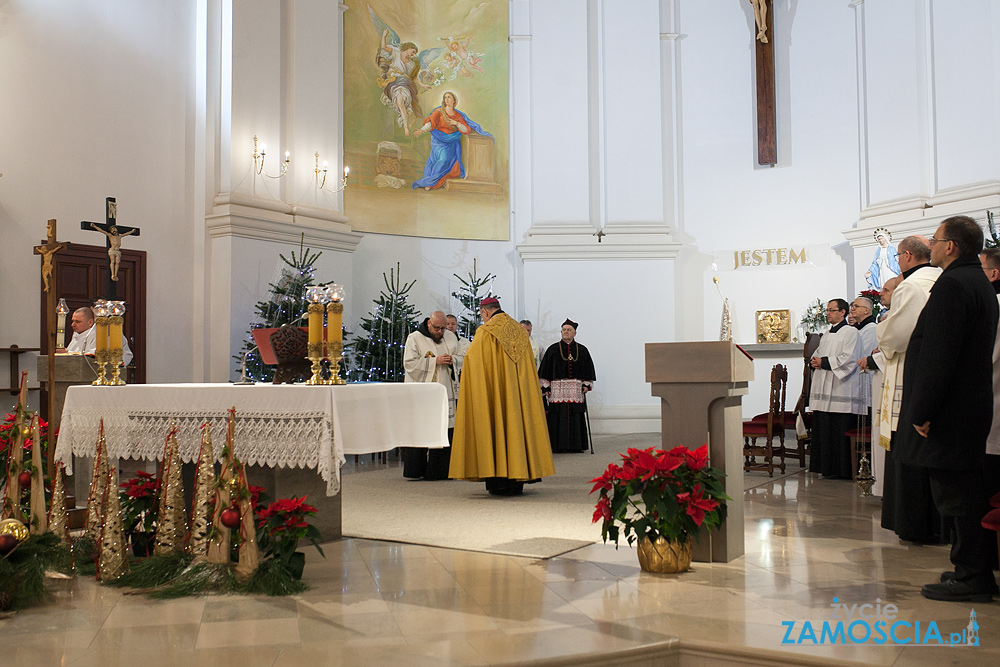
(553, 517)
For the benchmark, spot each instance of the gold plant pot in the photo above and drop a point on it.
(662, 557)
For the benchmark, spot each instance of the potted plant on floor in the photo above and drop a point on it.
(663, 499)
(138, 502)
(281, 525)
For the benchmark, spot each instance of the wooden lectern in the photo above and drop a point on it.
(700, 385)
(71, 369)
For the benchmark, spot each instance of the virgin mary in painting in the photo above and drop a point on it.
(447, 125)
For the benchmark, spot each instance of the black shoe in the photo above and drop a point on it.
(947, 576)
(956, 591)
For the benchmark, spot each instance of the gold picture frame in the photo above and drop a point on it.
(774, 326)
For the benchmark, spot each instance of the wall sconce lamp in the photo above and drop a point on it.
(258, 160)
(321, 176)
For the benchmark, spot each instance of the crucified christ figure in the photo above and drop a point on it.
(760, 16)
(115, 249)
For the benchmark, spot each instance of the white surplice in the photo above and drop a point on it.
(420, 364)
(837, 389)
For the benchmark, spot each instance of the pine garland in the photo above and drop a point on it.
(154, 571)
(22, 571)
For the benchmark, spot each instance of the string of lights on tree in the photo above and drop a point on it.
(286, 305)
(377, 351)
(468, 295)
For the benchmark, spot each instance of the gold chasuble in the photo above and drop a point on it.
(500, 428)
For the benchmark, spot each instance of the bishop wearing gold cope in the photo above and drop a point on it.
(500, 432)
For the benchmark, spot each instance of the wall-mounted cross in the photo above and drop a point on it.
(111, 229)
(767, 132)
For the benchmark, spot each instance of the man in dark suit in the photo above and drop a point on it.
(948, 400)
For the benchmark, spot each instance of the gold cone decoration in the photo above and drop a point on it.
(39, 517)
(249, 553)
(12, 499)
(171, 521)
(219, 543)
(58, 519)
(204, 485)
(98, 481)
(112, 561)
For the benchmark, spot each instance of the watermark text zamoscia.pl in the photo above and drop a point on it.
(875, 624)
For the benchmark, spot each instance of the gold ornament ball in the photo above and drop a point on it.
(15, 528)
(234, 485)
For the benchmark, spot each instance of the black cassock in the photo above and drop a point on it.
(566, 420)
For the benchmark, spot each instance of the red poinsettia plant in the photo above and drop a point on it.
(875, 297)
(282, 524)
(655, 493)
(138, 502)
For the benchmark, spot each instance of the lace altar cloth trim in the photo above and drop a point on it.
(566, 391)
(274, 439)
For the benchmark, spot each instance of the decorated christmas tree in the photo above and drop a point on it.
(377, 352)
(286, 305)
(468, 295)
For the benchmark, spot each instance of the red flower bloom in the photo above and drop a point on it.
(697, 459)
(696, 505)
(603, 510)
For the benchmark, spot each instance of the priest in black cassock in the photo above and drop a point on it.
(566, 374)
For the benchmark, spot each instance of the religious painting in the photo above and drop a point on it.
(885, 264)
(426, 118)
(774, 326)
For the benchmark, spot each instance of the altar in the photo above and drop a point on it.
(291, 429)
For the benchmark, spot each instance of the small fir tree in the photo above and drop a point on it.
(468, 295)
(377, 352)
(286, 305)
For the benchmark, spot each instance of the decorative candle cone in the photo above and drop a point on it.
(171, 523)
(39, 522)
(204, 482)
(95, 512)
(12, 499)
(249, 553)
(58, 519)
(219, 544)
(112, 561)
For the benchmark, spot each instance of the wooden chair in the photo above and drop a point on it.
(802, 444)
(768, 426)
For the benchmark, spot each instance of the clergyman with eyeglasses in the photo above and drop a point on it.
(947, 405)
(835, 396)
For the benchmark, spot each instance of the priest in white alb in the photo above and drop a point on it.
(84, 339)
(431, 354)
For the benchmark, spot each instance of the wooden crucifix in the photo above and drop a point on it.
(111, 229)
(46, 250)
(767, 132)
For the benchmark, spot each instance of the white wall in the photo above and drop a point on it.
(636, 118)
(97, 103)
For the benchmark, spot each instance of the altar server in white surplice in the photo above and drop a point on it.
(835, 395)
(431, 355)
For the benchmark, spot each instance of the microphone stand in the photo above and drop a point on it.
(243, 368)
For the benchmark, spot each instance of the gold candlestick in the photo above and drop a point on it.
(102, 351)
(334, 333)
(315, 356)
(116, 352)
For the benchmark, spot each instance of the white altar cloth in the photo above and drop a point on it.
(285, 426)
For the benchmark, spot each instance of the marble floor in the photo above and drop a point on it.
(371, 603)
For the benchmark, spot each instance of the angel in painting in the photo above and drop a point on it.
(401, 64)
